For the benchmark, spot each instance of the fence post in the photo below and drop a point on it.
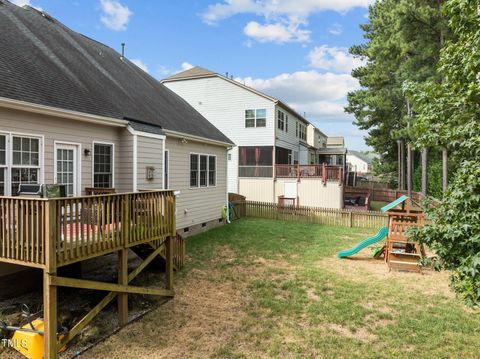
(350, 220)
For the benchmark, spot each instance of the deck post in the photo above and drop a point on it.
(123, 279)
(169, 247)
(50, 291)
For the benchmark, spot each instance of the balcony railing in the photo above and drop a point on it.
(78, 228)
(326, 173)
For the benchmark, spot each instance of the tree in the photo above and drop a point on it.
(403, 44)
(448, 113)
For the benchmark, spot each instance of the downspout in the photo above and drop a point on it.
(227, 201)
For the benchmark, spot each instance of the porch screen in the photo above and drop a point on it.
(256, 161)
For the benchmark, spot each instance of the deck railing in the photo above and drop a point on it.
(79, 228)
(327, 173)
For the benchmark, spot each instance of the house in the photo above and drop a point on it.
(75, 112)
(359, 162)
(277, 149)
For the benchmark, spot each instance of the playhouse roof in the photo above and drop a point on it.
(393, 204)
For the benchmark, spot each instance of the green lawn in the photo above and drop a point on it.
(377, 205)
(261, 288)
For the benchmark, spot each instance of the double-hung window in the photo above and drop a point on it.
(280, 120)
(25, 161)
(103, 165)
(20, 162)
(256, 118)
(203, 170)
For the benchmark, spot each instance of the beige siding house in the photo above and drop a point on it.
(83, 116)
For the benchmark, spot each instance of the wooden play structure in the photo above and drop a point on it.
(401, 253)
(51, 233)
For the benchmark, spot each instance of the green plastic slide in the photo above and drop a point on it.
(382, 233)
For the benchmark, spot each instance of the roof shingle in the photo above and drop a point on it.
(44, 62)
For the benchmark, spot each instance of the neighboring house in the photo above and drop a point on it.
(73, 111)
(271, 138)
(359, 162)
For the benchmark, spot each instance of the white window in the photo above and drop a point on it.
(256, 118)
(203, 170)
(20, 161)
(103, 165)
(25, 161)
(302, 131)
(280, 120)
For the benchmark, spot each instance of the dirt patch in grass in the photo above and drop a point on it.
(204, 314)
(363, 267)
(361, 334)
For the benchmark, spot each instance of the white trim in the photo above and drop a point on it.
(166, 152)
(198, 169)
(9, 157)
(145, 134)
(196, 138)
(58, 112)
(135, 163)
(78, 180)
(93, 160)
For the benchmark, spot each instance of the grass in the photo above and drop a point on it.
(261, 288)
(377, 205)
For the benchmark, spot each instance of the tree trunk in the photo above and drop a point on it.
(445, 169)
(399, 164)
(409, 169)
(424, 171)
(402, 164)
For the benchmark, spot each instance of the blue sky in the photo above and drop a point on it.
(295, 50)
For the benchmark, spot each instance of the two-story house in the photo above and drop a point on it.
(273, 157)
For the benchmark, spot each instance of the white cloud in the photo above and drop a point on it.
(115, 15)
(140, 64)
(284, 20)
(279, 33)
(25, 3)
(185, 66)
(305, 87)
(333, 59)
(273, 8)
(164, 71)
(336, 29)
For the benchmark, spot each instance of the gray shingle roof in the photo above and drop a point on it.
(44, 62)
(363, 156)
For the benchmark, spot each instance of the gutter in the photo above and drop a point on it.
(58, 112)
(197, 138)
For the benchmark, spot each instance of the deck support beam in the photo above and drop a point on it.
(123, 280)
(49, 290)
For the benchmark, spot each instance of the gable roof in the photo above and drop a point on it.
(364, 157)
(44, 62)
(198, 72)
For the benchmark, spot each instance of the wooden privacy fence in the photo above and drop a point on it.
(381, 194)
(334, 217)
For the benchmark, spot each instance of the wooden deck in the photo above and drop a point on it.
(51, 233)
